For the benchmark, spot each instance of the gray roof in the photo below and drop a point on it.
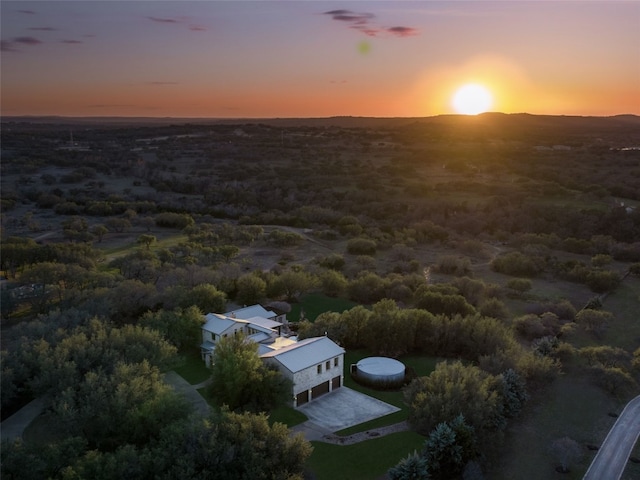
(218, 324)
(264, 323)
(249, 312)
(306, 353)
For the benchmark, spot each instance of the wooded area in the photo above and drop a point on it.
(507, 246)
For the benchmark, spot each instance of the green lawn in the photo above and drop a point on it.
(193, 369)
(314, 304)
(287, 415)
(362, 461)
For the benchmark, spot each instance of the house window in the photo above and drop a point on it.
(319, 368)
(335, 362)
(327, 365)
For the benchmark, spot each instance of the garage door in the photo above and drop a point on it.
(335, 383)
(302, 398)
(320, 390)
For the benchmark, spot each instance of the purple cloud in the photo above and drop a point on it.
(403, 31)
(194, 27)
(7, 46)
(27, 40)
(27, 12)
(369, 31)
(364, 23)
(349, 16)
(43, 29)
(71, 42)
(163, 20)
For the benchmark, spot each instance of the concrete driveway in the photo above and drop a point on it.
(189, 392)
(13, 427)
(344, 408)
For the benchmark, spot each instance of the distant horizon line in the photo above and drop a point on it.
(167, 117)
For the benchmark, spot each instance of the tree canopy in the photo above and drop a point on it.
(241, 381)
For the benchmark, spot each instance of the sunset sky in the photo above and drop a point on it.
(317, 59)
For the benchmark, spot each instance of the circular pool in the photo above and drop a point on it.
(381, 371)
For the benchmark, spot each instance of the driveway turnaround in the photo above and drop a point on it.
(13, 427)
(344, 408)
(611, 459)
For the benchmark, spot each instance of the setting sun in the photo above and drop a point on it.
(471, 99)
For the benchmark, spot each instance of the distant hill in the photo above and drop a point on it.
(618, 131)
(496, 119)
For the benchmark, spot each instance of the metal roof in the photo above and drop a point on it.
(250, 312)
(218, 324)
(264, 322)
(306, 353)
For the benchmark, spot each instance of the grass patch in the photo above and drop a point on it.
(114, 248)
(365, 460)
(314, 304)
(193, 369)
(624, 302)
(571, 407)
(422, 365)
(287, 415)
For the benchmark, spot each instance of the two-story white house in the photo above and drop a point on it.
(314, 365)
(258, 329)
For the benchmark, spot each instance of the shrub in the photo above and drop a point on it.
(281, 238)
(334, 261)
(367, 288)
(48, 200)
(600, 260)
(174, 220)
(529, 327)
(594, 321)
(493, 307)
(601, 281)
(473, 290)
(519, 285)
(438, 303)
(516, 264)
(334, 284)
(614, 380)
(361, 246)
(453, 265)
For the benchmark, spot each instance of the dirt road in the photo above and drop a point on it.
(611, 459)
